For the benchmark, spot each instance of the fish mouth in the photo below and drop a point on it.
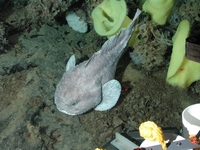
(63, 111)
(72, 114)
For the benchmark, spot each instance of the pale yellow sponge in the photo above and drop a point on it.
(182, 72)
(109, 17)
(158, 9)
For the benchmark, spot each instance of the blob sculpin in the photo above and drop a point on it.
(91, 84)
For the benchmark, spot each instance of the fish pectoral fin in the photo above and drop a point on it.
(111, 92)
(71, 63)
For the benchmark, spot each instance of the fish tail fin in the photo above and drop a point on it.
(131, 26)
(122, 38)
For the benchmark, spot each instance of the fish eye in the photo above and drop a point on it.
(74, 104)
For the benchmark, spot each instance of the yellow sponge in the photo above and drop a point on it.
(109, 17)
(182, 72)
(158, 9)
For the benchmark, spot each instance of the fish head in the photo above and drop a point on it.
(75, 96)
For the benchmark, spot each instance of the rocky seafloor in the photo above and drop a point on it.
(35, 44)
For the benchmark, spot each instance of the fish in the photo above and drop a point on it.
(91, 84)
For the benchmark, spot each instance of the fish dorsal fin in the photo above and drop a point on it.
(111, 92)
(71, 63)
